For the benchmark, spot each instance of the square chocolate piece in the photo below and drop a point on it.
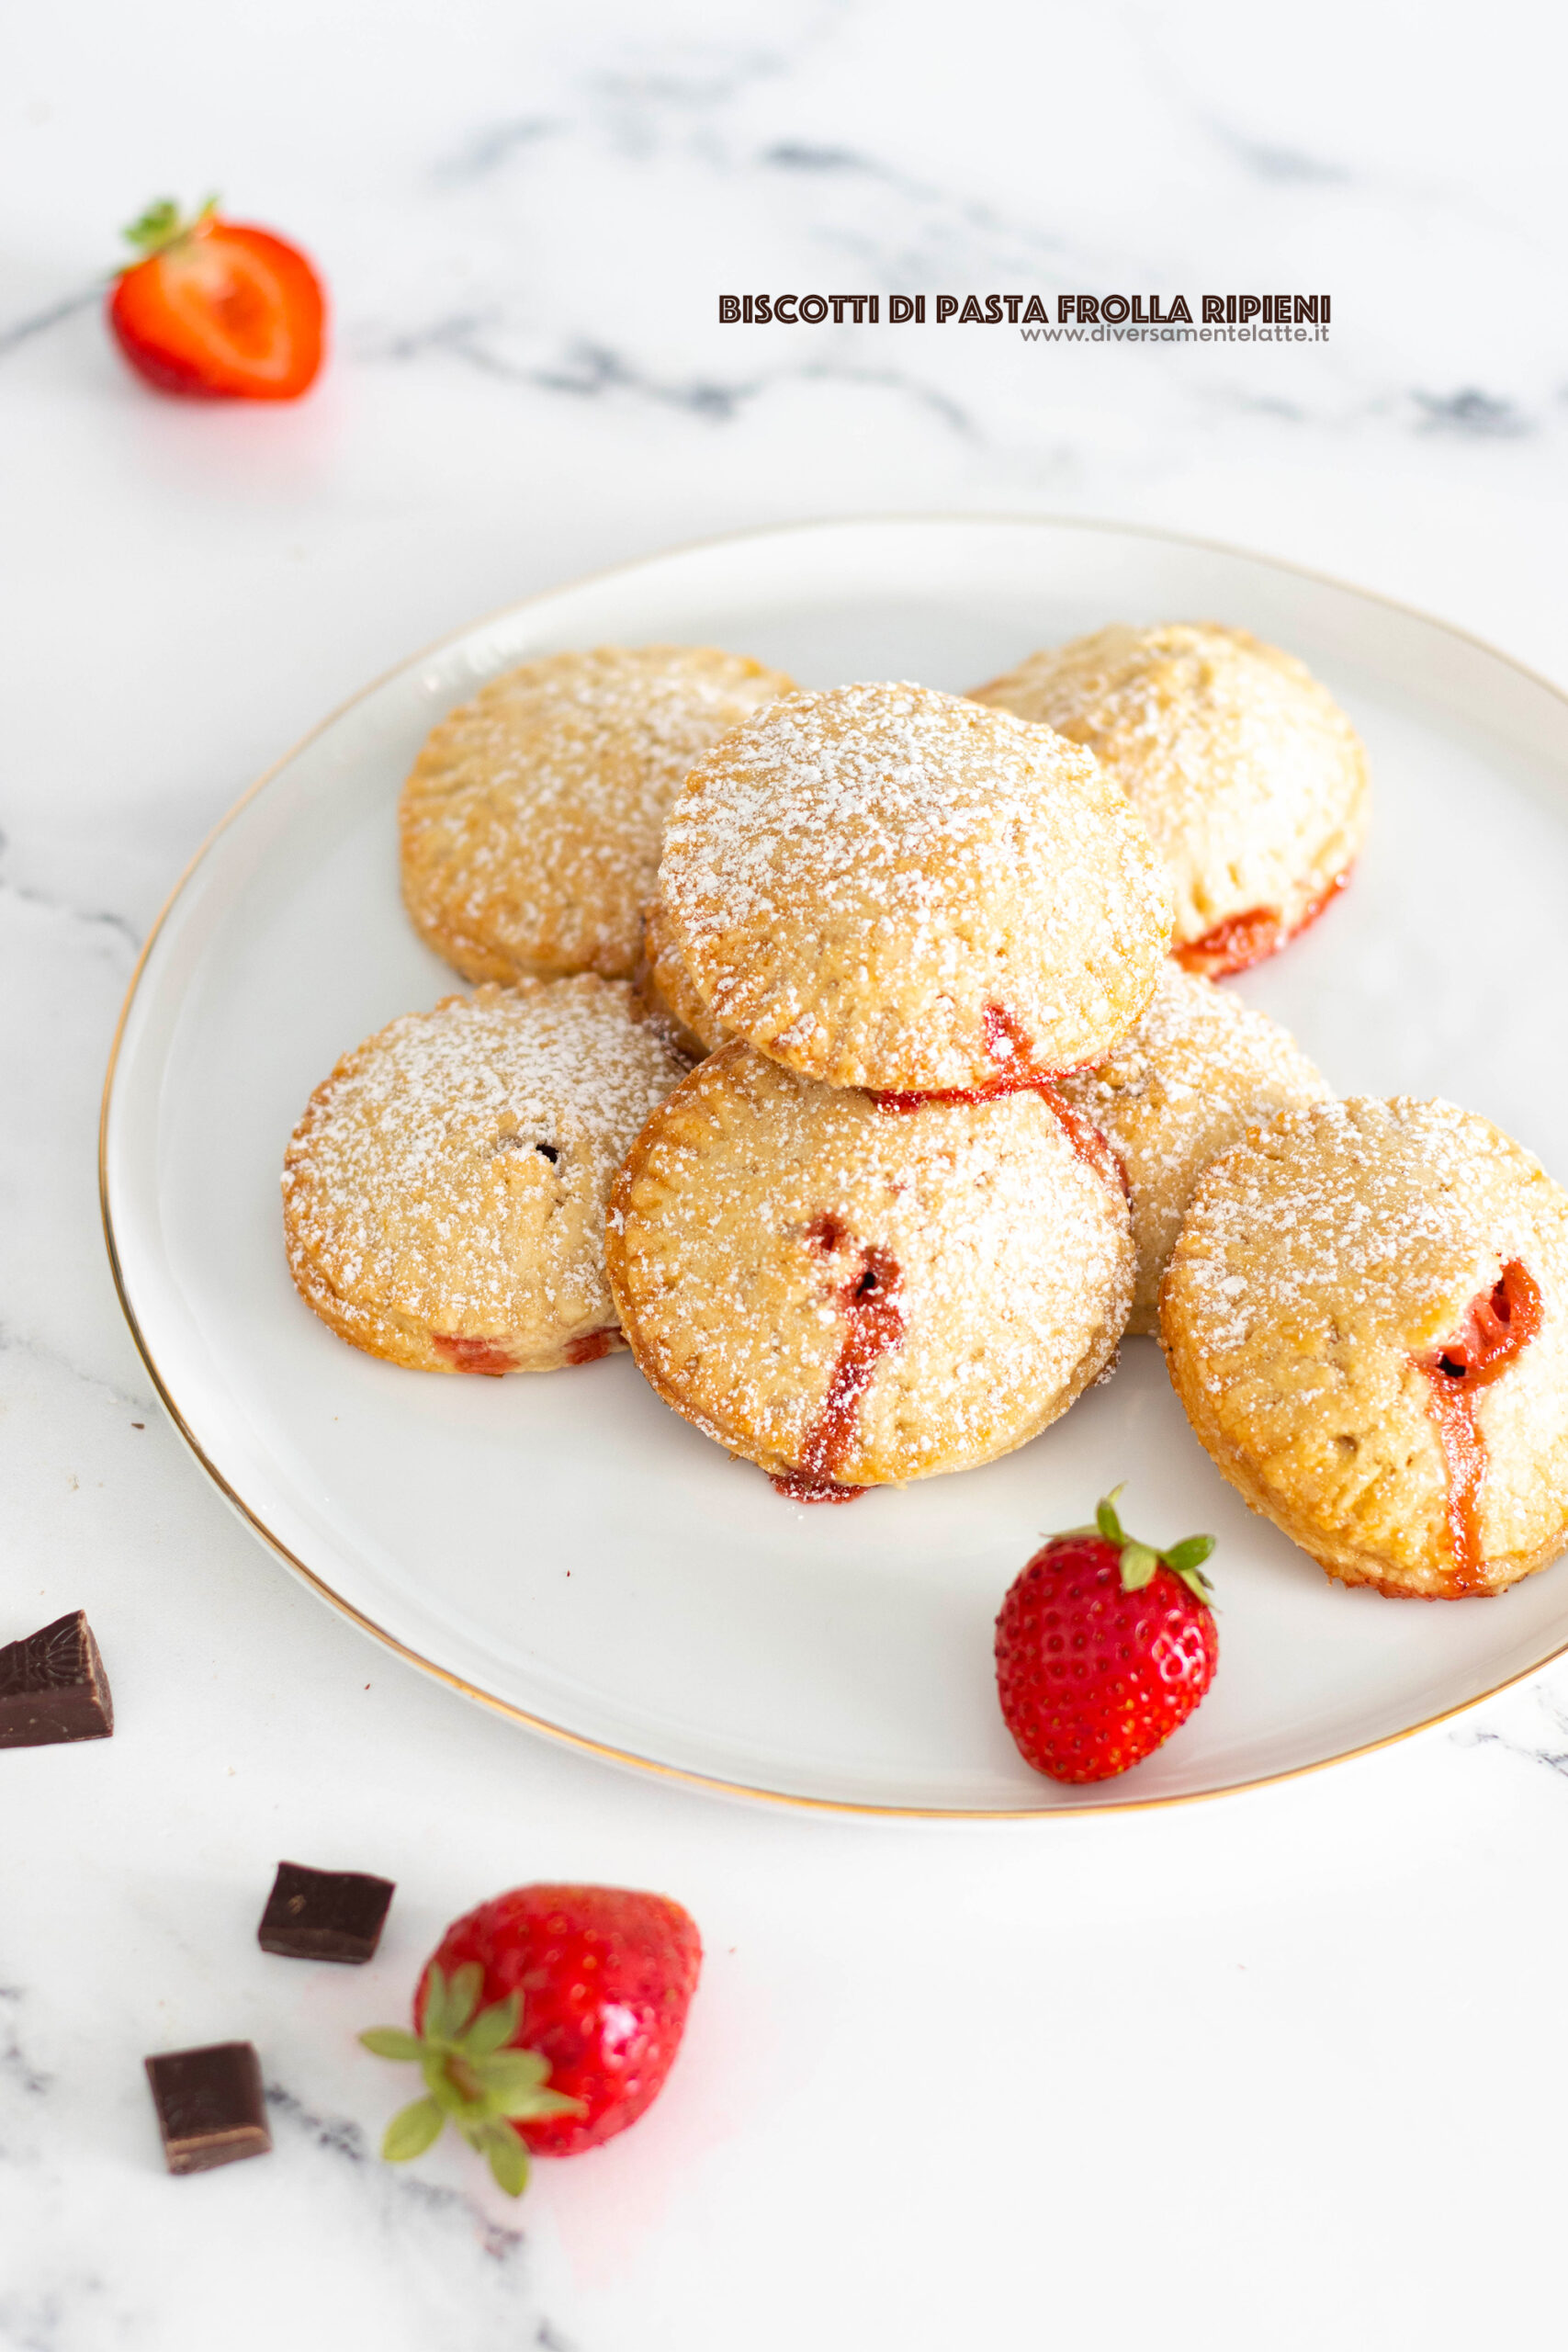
(211, 2106)
(54, 1687)
(324, 1914)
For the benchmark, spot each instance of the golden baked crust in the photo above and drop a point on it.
(881, 886)
(1323, 1261)
(1248, 775)
(1197, 1069)
(444, 1194)
(532, 819)
(755, 1205)
(670, 990)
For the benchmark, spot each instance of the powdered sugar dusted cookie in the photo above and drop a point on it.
(881, 886)
(532, 819)
(444, 1194)
(1188, 1078)
(852, 1294)
(1248, 775)
(1366, 1316)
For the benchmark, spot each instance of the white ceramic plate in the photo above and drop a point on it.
(565, 1547)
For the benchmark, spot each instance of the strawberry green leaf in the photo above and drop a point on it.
(493, 2028)
(1138, 1564)
(411, 2131)
(391, 2041)
(1189, 1554)
(162, 225)
(508, 2158)
(511, 2071)
(1197, 1584)
(434, 2018)
(520, 2092)
(1105, 1517)
(448, 2006)
(154, 227)
(544, 2103)
(463, 1997)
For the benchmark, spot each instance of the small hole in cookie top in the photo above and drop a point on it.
(867, 1284)
(1496, 1326)
(508, 1140)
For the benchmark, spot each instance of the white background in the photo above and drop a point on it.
(1281, 2070)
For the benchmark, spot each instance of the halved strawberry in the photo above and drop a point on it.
(217, 310)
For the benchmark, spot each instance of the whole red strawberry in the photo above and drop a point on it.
(1104, 1647)
(585, 1988)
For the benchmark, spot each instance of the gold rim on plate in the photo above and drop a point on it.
(713, 1783)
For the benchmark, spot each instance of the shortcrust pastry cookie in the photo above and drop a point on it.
(882, 886)
(444, 1194)
(1247, 774)
(852, 1292)
(1366, 1317)
(1198, 1069)
(532, 819)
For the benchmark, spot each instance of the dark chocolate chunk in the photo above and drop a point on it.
(54, 1687)
(324, 1914)
(211, 2110)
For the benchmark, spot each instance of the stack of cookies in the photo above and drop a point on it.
(445, 1193)
(855, 1058)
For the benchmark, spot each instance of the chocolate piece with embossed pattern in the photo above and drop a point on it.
(54, 1687)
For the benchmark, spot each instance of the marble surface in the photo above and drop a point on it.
(1287, 2069)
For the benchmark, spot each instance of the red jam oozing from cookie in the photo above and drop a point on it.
(484, 1356)
(1008, 1042)
(472, 1355)
(1008, 1046)
(1247, 939)
(589, 1347)
(1495, 1329)
(874, 1324)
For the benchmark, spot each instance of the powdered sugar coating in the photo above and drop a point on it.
(854, 878)
(533, 818)
(447, 1182)
(745, 1207)
(1320, 1259)
(1196, 1070)
(1248, 775)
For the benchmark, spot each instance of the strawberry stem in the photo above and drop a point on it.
(475, 2076)
(162, 225)
(1140, 1560)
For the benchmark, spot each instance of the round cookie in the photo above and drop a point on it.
(444, 1194)
(852, 1295)
(881, 886)
(1366, 1317)
(1250, 778)
(1197, 1069)
(532, 819)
